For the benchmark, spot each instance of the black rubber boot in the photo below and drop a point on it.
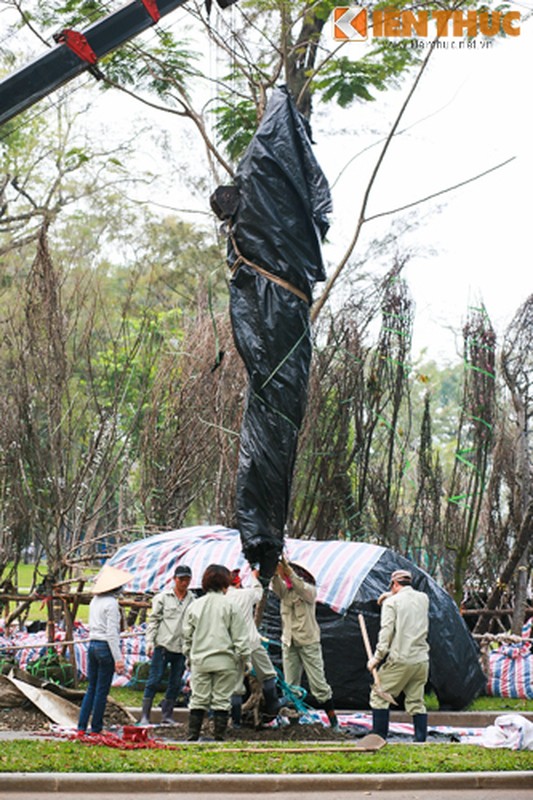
(380, 722)
(330, 711)
(272, 703)
(145, 711)
(167, 707)
(420, 724)
(196, 717)
(220, 722)
(236, 707)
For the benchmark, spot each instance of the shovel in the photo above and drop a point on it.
(377, 684)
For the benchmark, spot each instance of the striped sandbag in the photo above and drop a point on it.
(510, 677)
(511, 668)
(35, 646)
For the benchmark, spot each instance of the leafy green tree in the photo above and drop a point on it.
(264, 42)
(93, 295)
(368, 464)
(183, 265)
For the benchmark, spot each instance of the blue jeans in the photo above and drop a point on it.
(100, 673)
(161, 657)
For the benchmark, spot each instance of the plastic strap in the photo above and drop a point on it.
(274, 278)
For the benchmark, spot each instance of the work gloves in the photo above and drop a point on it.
(383, 597)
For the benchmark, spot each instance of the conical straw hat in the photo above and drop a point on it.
(110, 578)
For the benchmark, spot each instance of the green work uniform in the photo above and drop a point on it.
(166, 620)
(245, 599)
(215, 639)
(403, 642)
(300, 635)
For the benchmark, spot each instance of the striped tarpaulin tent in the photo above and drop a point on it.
(339, 567)
(350, 576)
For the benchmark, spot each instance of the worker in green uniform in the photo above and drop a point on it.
(402, 651)
(216, 642)
(300, 634)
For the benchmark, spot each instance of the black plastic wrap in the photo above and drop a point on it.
(455, 673)
(283, 203)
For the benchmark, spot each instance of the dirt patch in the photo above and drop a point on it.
(22, 719)
(29, 718)
(287, 733)
(19, 714)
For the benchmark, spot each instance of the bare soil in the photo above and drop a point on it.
(29, 718)
(289, 733)
(19, 714)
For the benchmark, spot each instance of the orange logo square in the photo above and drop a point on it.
(350, 23)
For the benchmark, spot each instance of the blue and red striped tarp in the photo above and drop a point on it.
(31, 647)
(511, 668)
(339, 567)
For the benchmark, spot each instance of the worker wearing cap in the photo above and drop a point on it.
(402, 641)
(164, 643)
(105, 656)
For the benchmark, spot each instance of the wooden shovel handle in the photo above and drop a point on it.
(386, 695)
(366, 640)
(368, 648)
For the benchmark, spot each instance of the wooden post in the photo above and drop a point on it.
(69, 636)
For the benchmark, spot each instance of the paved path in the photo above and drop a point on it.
(454, 719)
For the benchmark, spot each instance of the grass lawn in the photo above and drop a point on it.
(25, 580)
(273, 757)
(235, 758)
(25, 574)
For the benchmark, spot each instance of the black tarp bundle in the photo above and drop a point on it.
(275, 254)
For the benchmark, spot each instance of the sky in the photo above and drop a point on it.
(470, 246)
(470, 112)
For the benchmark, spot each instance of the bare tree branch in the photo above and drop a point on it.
(319, 304)
(442, 191)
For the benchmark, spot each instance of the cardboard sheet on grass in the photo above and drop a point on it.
(350, 577)
(58, 709)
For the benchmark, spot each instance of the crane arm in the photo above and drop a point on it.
(77, 52)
